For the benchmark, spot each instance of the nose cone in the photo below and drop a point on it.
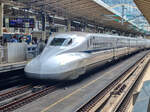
(43, 68)
(32, 68)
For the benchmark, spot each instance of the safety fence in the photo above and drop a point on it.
(17, 52)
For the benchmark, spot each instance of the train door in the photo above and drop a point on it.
(115, 48)
(90, 43)
(111, 46)
(129, 46)
(126, 45)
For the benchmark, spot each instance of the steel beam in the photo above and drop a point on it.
(1, 19)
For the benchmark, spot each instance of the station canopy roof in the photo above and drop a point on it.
(144, 6)
(91, 10)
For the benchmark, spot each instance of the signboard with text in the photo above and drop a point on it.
(22, 22)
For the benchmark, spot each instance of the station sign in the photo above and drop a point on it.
(22, 22)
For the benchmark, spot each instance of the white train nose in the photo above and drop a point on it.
(41, 71)
(44, 69)
(40, 66)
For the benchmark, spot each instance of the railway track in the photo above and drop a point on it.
(115, 97)
(24, 96)
(126, 100)
(14, 92)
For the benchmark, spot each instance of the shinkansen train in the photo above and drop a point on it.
(69, 55)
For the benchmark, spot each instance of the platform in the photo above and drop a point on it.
(143, 99)
(142, 102)
(12, 66)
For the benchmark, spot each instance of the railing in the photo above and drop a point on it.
(30, 52)
(9, 54)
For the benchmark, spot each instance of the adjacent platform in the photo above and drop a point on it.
(142, 102)
(143, 99)
(12, 66)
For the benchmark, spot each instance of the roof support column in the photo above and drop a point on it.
(86, 26)
(69, 25)
(43, 26)
(1, 19)
(96, 28)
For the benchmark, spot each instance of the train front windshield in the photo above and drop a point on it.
(61, 42)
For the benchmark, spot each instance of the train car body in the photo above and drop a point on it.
(69, 55)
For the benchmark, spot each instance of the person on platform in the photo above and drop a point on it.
(46, 40)
(1, 40)
(40, 46)
(5, 42)
(27, 40)
(34, 41)
(13, 39)
(20, 39)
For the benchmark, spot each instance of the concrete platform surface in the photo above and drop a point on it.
(142, 102)
(12, 66)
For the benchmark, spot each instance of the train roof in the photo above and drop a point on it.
(83, 34)
(86, 34)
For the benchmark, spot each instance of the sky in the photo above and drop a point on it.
(131, 11)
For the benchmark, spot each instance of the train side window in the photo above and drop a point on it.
(93, 39)
(67, 42)
(70, 42)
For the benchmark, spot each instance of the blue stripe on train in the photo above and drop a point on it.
(97, 50)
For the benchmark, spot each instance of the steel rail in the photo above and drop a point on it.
(14, 92)
(27, 99)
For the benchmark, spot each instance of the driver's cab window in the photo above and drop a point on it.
(61, 42)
